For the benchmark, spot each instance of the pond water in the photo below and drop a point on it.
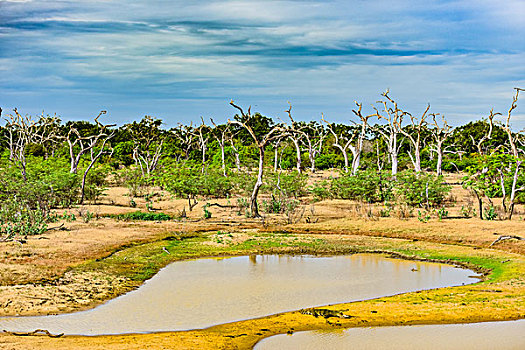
(474, 336)
(199, 293)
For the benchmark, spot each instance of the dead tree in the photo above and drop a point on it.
(393, 117)
(341, 141)
(48, 135)
(23, 131)
(344, 142)
(310, 137)
(513, 140)
(417, 125)
(220, 133)
(276, 157)
(313, 142)
(261, 141)
(95, 154)
(202, 138)
(185, 135)
(148, 141)
(440, 134)
(295, 135)
(235, 152)
(488, 135)
(358, 149)
(95, 144)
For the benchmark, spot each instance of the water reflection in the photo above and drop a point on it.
(479, 336)
(200, 293)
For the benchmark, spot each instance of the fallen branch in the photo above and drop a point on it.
(503, 238)
(59, 227)
(35, 332)
(220, 205)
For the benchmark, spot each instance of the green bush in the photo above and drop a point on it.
(187, 179)
(423, 190)
(96, 183)
(320, 190)
(285, 184)
(368, 186)
(17, 219)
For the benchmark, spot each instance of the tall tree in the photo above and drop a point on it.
(394, 117)
(416, 128)
(22, 131)
(220, 133)
(247, 121)
(514, 138)
(148, 139)
(94, 142)
(202, 135)
(440, 133)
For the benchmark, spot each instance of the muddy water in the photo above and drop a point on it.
(204, 292)
(476, 336)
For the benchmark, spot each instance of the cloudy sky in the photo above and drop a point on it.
(179, 60)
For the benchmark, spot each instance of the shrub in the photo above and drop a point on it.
(368, 186)
(423, 190)
(320, 190)
(286, 184)
(187, 179)
(18, 219)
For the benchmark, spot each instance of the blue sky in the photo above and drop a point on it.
(179, 60)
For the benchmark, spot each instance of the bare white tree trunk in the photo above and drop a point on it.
(295, 141)
(261, 141)
(254, 207)
(236, 155)
(394, 117)
(513, 139)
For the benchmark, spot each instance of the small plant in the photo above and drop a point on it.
(273, 205)
(404, 211)
(423, 216)
(86, 215)
(293, 215)
(442, 213)
(385, 211)
(68, 217)
(320, 190)
(490, 213)
(465, 212)
(207, 213)
(132, 203)
(242, 203)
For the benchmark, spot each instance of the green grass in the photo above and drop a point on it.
(142, 216)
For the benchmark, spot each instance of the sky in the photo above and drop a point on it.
(180, 60)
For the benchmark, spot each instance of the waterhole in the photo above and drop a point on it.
(476, 336)
(199, 293)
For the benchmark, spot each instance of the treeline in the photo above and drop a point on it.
(47, 163)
